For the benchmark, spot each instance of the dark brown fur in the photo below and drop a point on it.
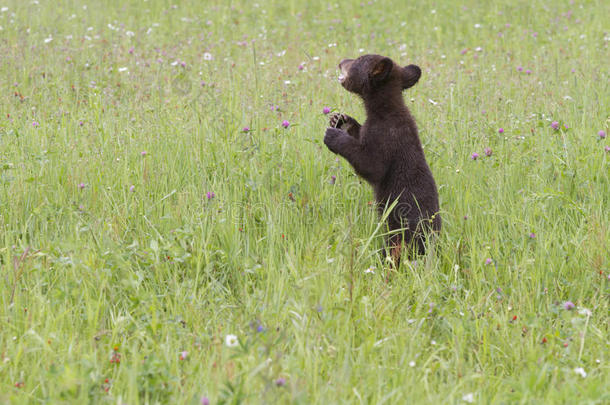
(386, 150)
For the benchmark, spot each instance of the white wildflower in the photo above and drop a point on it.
(231, 341)
(468, 398)
(580, 371)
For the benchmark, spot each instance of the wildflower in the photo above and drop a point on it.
(544, 340)
(333, 179)
(132, 188)
(501, 130)
(474, 156)
(143, 153)
(183, 355)
(231, 341)
(81, 185)
(555, 125)
(205, 401)
(568, 305)
(207, 56)
(370, 270)
(285, 124)
(468, 398)
(210, 195)
(301, 67)
(607, 148)
(326, 110)
(488, 152)
(245, 129)
(35, 124)
(519, 69)
(532, 235)
(131, 50)
(411, 363)
(280, 382)
(488, 261)
(260, 329)
(601, 134)
(580, 371)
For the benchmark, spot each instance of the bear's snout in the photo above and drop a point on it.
(344, 66)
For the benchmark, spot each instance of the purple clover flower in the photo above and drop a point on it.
(602, 134)
(132, 188)
(519, 68)
(568, 305)
(474, 156)
(532, 235)
(326, 110)
(501, 130)
(245, 129)
(488, 261)
(528, 72)
(285, 124)
(81, 186)
(205, 401)
(280, 382)
(488, 152)
(555, 125)
(210, 195)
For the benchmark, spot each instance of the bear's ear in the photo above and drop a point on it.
(382, 70)
(410, 76)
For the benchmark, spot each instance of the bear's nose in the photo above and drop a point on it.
(345, 62)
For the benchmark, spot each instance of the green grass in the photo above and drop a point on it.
(278, 256)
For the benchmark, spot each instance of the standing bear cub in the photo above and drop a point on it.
(386, 150)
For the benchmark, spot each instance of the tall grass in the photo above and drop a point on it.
(141, 225)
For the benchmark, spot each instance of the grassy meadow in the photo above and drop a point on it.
(173, 229)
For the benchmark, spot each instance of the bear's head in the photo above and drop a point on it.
(370, 74)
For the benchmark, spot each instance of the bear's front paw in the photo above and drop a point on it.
(331, 139)
(337, 120)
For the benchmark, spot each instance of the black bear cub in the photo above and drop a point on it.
(386, 150)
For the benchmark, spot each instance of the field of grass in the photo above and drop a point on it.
(165, 239)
